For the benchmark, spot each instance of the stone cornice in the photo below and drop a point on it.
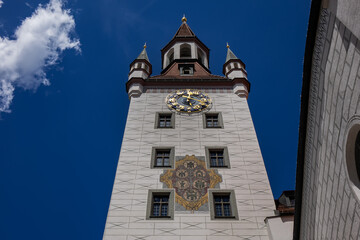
(203, 82)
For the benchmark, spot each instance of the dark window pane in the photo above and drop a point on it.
(218, 210)
(220, 162)
(226, 199)
(156, 210)
(158, 161)
(166, 162)
(213, 162)
(164, 209)
(227, 211)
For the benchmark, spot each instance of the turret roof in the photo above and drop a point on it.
(143, 54)
(230, 55)
(184, 31)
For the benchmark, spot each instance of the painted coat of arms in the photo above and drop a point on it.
(191, 180)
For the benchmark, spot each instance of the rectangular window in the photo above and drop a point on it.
(160, 204)
(223, 204)
(164, 120)
(186, 69)
(162, 157)
(213, 120)
(217, 158)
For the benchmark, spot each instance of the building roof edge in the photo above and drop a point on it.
(309, 48)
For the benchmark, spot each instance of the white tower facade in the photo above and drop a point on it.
(190, 165)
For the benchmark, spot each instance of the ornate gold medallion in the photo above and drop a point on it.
(188, 101)
(191, 180)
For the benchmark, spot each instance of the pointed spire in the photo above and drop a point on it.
(230, 55)
(184, 30)
(143, 54)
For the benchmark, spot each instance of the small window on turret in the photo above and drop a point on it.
(186, 69)
(185, 51)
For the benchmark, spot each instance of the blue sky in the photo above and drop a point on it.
(60, 141)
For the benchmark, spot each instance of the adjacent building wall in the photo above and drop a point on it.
(330, 208)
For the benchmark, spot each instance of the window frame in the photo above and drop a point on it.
(150, 204)
(232, 202)
(154, 157)
(226, 158)
(158, 117)
(211, 114)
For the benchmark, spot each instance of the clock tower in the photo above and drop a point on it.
(190, 165)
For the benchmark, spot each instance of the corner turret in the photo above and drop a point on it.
(234, 68)
(141, 69)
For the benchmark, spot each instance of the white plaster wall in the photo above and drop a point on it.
(247, 176)
(236, 74)
(138, 74)
(279, 229)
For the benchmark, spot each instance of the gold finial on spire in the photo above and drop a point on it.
(184, 19)
(145, 45)
(227, 45)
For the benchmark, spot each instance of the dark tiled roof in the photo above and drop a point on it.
(184, 31)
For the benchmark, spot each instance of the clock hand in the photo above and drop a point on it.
(195, 99)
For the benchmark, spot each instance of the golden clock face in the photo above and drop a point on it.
(188, 101)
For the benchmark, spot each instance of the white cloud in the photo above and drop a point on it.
(37, 44)
(1, 3)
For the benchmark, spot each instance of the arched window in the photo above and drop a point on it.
(200, 56)
(185, 51)
(170, 56)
